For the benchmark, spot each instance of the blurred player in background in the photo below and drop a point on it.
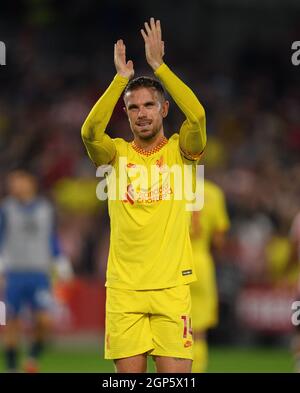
(295, 260)
(207, 230)
(150, 261)
(28, 246)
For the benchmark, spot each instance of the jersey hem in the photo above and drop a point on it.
(150, 288)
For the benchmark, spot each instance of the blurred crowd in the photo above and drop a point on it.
(54, 74)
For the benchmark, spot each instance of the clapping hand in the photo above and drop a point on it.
(123, 68)
(154, 46)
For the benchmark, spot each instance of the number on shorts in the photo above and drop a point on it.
(187, 325)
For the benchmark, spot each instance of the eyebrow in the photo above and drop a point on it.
(134, 106)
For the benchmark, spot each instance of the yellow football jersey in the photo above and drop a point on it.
(213, 217)
(150, 246)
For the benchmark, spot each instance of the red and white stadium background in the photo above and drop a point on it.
(266, 308)
(79, 306)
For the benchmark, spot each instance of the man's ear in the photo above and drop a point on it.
(165, 108)
(125, 110)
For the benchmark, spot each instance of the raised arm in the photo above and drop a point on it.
(192, 135)
(100, 146)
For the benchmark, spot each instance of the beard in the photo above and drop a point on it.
(146, 134)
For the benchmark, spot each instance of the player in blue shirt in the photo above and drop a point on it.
(28, 245)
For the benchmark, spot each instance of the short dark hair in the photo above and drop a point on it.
(145, 81)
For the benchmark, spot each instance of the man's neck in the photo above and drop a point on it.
(149, 144)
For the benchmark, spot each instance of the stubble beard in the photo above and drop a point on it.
(147, 136)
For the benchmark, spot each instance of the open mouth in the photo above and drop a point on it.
(143, 123)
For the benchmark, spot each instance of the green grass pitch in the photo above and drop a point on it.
(221, 359)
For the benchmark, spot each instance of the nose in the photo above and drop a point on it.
(142, 112)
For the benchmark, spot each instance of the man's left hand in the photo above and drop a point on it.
(154, 46)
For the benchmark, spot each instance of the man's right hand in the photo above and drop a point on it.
(123, 68)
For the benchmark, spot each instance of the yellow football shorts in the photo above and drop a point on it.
(156, 322)
(204, 294)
